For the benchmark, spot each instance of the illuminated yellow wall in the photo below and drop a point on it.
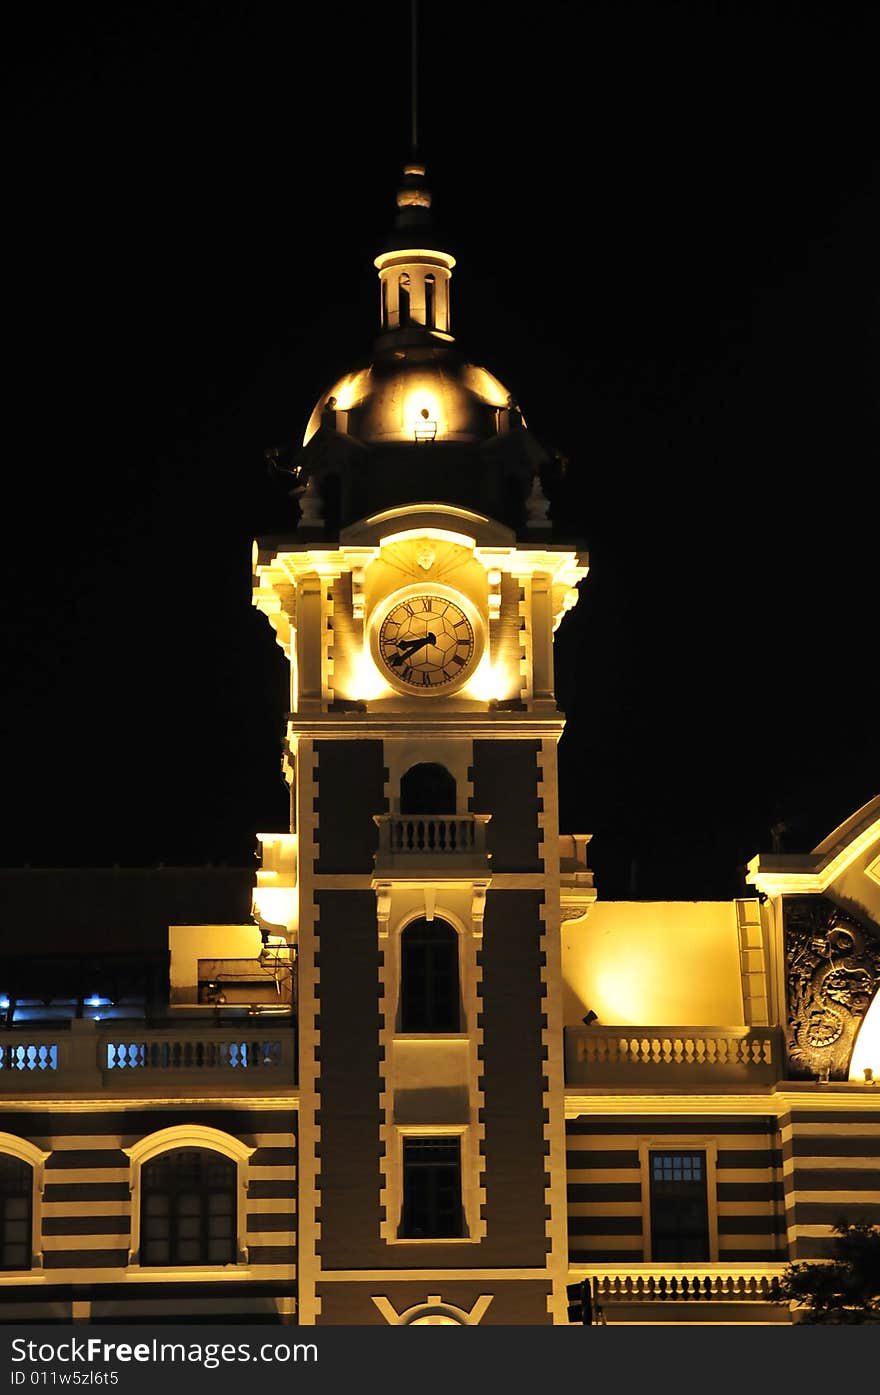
(190, 943)
(654, 963)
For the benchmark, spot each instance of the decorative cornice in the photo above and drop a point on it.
(358, 726)
(104, 1104)
(761, 1100)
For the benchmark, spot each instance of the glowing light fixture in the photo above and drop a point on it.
(367, 681)
(865, 1059)
(422, 415)
(347, 392)
(487, 683)
(485, 385)
(427, 429)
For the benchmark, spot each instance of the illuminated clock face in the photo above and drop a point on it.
(427, 643)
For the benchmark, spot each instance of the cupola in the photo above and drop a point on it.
(414, 274)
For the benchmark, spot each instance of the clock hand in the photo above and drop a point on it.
(408, 647)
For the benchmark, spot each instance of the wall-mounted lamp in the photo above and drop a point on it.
(426, 429)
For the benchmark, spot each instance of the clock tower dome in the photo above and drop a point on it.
(415, 598)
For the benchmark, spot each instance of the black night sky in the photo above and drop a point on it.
(665, 217)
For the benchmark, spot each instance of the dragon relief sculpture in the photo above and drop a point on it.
(832, 966)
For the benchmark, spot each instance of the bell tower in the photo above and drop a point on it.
(416, 599)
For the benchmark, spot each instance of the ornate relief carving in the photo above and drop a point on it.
(832, 964)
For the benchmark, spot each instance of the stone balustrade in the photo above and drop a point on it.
(633, 1055)
(653, 1283)
(445, 844)
(26, 1056)
(81, 1055)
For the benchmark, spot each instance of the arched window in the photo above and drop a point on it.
(403, 299)
(427, 789)
(429, 996)
(430, 309)
(16, 1199)
(188, 1208)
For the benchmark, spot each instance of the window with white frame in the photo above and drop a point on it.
(188, 1208)
(679, 1205)
(184, 1210)
(16, 1212)
(432, 1202)
(429, 979)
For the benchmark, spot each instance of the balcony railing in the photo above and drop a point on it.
(445, 844)
(658, 1283)
(27, 1056)
(80, 1056)
(175, 1053)
(666, 1055)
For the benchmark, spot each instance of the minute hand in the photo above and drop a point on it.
(408, 647)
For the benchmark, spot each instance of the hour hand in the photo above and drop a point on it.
(407, 647)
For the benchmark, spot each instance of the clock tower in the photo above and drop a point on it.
(419, 884)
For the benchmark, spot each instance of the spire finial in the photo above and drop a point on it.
(414, 75)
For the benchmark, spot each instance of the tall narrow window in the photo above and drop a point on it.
(679, 1206)
(429, 1000)
(431, 1189)
(16, 1190)
(403, 299)
(188, 1208)
(429, 301)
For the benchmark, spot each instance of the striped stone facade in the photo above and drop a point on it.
(830, 1171)
(86, 1208)
(608, 1201)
